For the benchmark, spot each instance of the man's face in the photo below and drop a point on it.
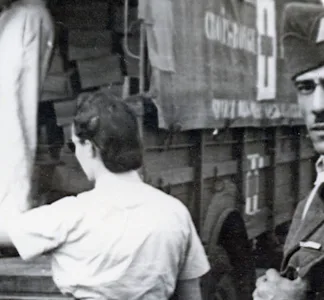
(310, 86)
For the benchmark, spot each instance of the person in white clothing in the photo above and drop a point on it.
(122, 240)
(26, 42)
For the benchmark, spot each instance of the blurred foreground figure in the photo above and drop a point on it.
(26, 42)
(302, 271)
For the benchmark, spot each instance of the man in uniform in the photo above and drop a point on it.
(26, 41)
(302, 272)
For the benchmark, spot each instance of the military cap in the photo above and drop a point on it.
(303, 37)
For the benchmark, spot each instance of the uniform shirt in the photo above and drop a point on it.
(122, 240)
(317, 184)
(26, 40)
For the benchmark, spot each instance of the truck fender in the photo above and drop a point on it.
(230, 256)
(228, 247)
(221, 204)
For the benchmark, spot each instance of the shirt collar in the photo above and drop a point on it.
(320, 170)
(131, 176)
(34, 1)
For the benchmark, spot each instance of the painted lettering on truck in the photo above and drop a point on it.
(260, 41)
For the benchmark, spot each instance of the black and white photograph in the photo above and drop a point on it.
(162, 150)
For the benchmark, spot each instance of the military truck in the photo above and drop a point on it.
(220, 124)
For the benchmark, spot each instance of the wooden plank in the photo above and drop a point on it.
(15, 266)
(224, 168)
(27, 284)
(84, 44)
(308, 154)
(57, 86)
(282, 217)
(186, 174)
(156, 139)
(99, 71)
(215, 153)
(167, 161)
(257, 223)
(171, 177)
(15, 296)
(78, 53)
(65, 111)
(285, 202)
(285, 157)
(219, 147)
(18, 276)
(283, 174)
(90, 15)
(283, 191)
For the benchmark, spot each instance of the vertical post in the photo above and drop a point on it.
(238, 155)
(142, 58)
(197, 138)
(271, 174)
(141, 65)
(141, 91)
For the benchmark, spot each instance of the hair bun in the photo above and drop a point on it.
(93, 124)
(85, 126)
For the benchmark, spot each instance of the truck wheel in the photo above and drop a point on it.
(219, 283)
(225, 289)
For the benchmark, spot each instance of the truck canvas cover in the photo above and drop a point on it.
(218, 63)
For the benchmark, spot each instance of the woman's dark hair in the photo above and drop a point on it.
(111, 126)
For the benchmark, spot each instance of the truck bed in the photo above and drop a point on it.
(27, 280)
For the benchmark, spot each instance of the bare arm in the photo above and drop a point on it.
(188, 290)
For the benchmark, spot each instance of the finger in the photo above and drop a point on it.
(261, 298)
(261, 295)
(260, 280)
(255, 295)
(300, 283)
(266, 289)
(273, 275)
(299, 280)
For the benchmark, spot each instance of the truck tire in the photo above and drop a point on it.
(219, 283)
(225, 289)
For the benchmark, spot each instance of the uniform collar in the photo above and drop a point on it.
(317, 185)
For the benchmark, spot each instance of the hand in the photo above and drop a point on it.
(272, 286)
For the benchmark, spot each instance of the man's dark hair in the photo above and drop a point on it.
(111, 126)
